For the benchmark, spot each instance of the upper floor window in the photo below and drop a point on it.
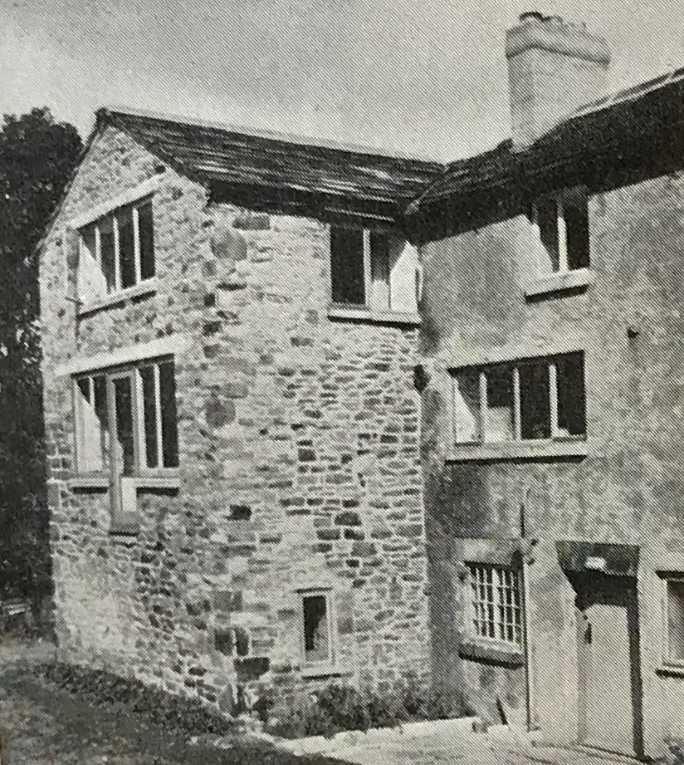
(562, 222)
(125, 419)
(116, 251)
(495, 603)
(372, 269)
(529, 399)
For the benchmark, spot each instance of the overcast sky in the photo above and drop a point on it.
(424, 76)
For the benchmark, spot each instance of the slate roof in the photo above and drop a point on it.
(639, 129)
(280, 169)
(621, 132)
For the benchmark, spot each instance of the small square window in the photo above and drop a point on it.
(495, 604)
(563, 224)
(317, 627)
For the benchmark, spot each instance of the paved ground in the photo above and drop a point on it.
(498, 747)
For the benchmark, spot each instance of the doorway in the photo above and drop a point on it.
(609, 673)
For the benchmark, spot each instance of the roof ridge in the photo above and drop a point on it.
(267, 134)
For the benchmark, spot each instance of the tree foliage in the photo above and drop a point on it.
(37, 156)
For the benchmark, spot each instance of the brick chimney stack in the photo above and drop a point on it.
(553, 68)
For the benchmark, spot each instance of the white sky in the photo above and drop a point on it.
(424, 76)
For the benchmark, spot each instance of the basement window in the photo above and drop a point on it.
(317, 636)
(372, 270)
(495, 603)
(562, 222)
(529, 400)
(116, 251)
(125, 419)
(674, 621)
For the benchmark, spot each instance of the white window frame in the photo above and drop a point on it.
(516, 402)
(558, 198)
(477, 568)
(131, 371)
(327, 593)
(668, 659)
(112, 216)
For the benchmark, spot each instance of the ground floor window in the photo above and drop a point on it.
(495, 603)
(674, 626)
(317, 632)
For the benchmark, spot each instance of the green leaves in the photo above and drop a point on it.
(37, 157)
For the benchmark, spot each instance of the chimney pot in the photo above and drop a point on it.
(530, 17)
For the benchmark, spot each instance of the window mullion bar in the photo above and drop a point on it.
(483, 406)
(367, 277)
(517, 423)
(157, 416)
(136, 244)
(117, 264)
(562, 236)
(553, 398)
(140, 445)
(98, 247)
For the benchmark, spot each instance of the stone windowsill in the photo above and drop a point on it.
(577, 279)
(366, 315)
(519, 450)
(491, 651)
(671, 670)
(143, 289)
(101, 481)
(325, 670)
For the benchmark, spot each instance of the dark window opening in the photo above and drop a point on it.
(576, 216)
(126, 248)
(675, 619)
(347, 266)
(150, 409)
(146, 237)
(571, 395)
(535, 415)
(500, 404)
(167, 389)
(316, 637)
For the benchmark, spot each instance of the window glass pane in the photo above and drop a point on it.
(571, 395)
(146, 237)
(380, 272)
(167, 386)
(467, 406)
(675, 619)
(126, 247)
(499, 404)
(534, 400)
(547, 221)
(346, 266)
(495, 603)
(316, 638)
(100, 387)
(576, 216)
(123, 402)
(150, 414)
(91, 425)
(107, 252)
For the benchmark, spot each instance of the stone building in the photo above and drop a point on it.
(316, 412)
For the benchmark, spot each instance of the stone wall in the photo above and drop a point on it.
(627, 490)
(299, 455)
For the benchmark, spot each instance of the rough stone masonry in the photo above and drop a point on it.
(299, 459)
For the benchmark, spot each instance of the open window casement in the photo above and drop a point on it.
(561, 228)
(673, 590)
(126, 427)
(374, 270)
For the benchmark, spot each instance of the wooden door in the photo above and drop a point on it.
(608, 655)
